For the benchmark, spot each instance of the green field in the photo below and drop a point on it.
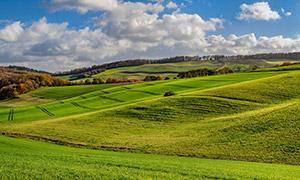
(79, 99)
(249, 116)
(281, 68)
(171, 69)
(27, 159)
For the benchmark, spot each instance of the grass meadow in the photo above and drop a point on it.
(28, 159)
(233, 118)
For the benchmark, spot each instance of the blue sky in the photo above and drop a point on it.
(72, 33)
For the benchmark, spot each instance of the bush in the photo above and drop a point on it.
(287, 64)
(169, 93)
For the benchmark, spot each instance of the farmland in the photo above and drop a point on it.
(91, 98)
(171, 69)
(49, 161)
(249, 116)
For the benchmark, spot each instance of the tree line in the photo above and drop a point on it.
(14, 82)
(204, 72)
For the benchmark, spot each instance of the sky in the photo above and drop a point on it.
(58, 35)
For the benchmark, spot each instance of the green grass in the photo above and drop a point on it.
(245, 64)
(241, 116)
(202, 123)
(157, 69)
(105, 73)
(280, 62)
(163, 69)
(66, 92)
(24, 100)
(281, 68)
(28, 159)
(80, 99)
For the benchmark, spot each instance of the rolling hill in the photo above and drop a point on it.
(247, 116)
(172, 69)
(27, 159)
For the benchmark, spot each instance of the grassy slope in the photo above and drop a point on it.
(27, 159)
(253, 121)
(66, 92)
(248, 63)
(24, 100)
(282, 68)
(106, 96)
(176, 67)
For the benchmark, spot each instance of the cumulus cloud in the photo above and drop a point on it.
(258, 11)
(12, 32)
(172, 5)
(159, 1)
(82, 6)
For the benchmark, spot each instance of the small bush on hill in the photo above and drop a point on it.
(169, 93)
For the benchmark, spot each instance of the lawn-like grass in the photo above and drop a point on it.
(252, 121)
(65, 92)
(78, 99)
(28, 159)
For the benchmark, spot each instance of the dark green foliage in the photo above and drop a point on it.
(169, 93)
(196, 73)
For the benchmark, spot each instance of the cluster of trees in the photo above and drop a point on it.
(108, 81)
(22, 68)
(204, 72)
(289, 63)
(14, 82)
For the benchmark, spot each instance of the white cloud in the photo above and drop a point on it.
(158, 1)
(82, 6)
(258, 11)
(11, 32)
(172, 5)
(286, 13)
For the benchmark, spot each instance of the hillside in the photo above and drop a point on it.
(247, 116)
(171, 69)
(27, 159)
(187, 124)
(107, 96)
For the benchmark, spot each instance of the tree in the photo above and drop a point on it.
(88, 81)
(160, 78)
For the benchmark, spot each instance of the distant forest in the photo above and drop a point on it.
(22, 68)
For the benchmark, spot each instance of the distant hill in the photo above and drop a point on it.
(23, 68)
(96, 69)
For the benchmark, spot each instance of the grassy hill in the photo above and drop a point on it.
(242, 116)
(252, 121)
(27, 159)
(80, 99)
(171, 69)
